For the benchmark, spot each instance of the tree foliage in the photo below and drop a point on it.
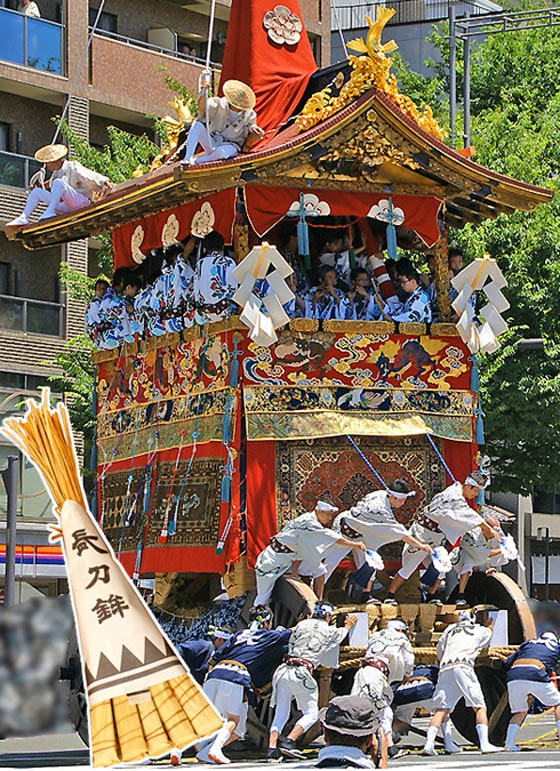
(515, 95)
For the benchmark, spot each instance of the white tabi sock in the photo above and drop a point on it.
(448, 742)
(511, 734)
(482, 731)
(221, 738)
(431, 734)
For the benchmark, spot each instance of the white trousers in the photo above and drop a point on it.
(60, 199)
(520, 690)
(333, 557)
(269, 567)
(294, 683)
(198, 135)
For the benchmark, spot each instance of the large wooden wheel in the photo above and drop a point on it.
(500, 590)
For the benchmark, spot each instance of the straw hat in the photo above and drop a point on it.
(239, 95)
(50, 153)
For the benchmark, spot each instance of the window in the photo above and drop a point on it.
(4, 278)
(107, 21)
(4, 137)
(21, 381)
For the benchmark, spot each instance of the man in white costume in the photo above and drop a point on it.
(372, 520)
(457, 650)
(479, 550)
(232, 122)
(389, 659)
(305, 538)
(71, 186)
(446, 518)
(416, 692)
(313, 643)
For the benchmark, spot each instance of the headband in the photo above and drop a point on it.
(470, 481)
(324, 506)
(395, 494)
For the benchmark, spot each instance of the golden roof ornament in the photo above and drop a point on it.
(369, 70)
(373, 45)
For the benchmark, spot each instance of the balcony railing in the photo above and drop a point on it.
(154, 48)
(36, 316)
(17, 170)
(407, 11)
(33, 42)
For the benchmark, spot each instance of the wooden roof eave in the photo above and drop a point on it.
(440, 158)
(159, 191)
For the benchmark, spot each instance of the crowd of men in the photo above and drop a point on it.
(388, 687)
(194, 285)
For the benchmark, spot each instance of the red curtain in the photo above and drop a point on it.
(261, 497)
(131, 242)
(266, 206)
(278, 72)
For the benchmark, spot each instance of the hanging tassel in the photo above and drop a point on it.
(172, 526)
(391, 233)
(475, 380)
(226, 487)
(303, 243)
(391, 241)
(162, 536)
(145, 508)
(479, 428)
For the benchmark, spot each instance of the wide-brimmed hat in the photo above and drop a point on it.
(239, 95)
(351, 715)
(50, 153)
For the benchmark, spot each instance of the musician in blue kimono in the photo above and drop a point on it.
(337, 254)
(294, 308)
(359, 301)
(93, 319)
(214, 283)
(417, 305)
(325, 301)
(117, 317)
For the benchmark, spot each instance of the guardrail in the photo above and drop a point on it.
(407, 12)
(200, 62)
(33, 42)
(16, 170)
(36, 316)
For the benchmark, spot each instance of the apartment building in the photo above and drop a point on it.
(410, 27)
(117, 81)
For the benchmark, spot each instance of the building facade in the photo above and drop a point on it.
(117, 80)
(410, 27)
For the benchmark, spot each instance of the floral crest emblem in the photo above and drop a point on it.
(385, 212)
(312, 205)
(203, 221)
(135, 244)
(170, 231)
(283, 27)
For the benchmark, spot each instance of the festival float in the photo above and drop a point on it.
(207, 439)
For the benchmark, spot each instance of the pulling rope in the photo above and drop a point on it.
(366, 461)
(79, 70)
(440, 458)
(339, 28)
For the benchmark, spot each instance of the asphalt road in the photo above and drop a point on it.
(538, 739)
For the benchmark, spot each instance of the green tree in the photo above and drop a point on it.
(515, 93)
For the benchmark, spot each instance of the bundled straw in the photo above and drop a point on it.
(142, 700)
(45, 436)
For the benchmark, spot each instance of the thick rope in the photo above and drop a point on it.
(440, 458)
(366, 461)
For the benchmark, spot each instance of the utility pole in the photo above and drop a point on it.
(452, 71)
(9, 475)
(466, 85)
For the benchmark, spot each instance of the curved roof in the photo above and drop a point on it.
(407, 160)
